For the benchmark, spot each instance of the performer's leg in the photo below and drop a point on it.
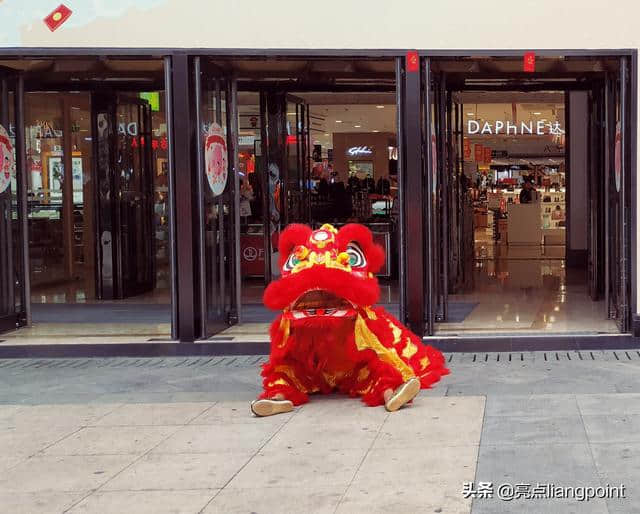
(282, 390)
(393, 400)
(379, 383)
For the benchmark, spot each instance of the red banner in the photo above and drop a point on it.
(467, 150)
(479, 153)
(487, 155)
(252, 255)
(413, 61)
(529, 62)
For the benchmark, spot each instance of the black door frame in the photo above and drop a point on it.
(18, 252)
(630, 220)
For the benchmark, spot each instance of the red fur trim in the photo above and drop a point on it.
(295, 234)
(361, 291)
(362, 235)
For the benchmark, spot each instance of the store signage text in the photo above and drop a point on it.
(128, 129)
(359, 150)
(538, 128)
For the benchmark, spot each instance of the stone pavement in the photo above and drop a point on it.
(175, 435)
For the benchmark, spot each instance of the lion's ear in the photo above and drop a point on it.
(292, 236)
(373, 252)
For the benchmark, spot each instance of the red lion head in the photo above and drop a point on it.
(325, 272)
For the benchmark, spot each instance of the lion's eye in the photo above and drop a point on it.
(291, 263)
(356, 257)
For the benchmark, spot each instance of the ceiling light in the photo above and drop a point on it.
(537, 113)
(357, 126)
(379, 106)
(326, 135)
(471, 114)
(376, 131)
(338, 121)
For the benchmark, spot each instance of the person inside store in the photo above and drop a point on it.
(528, 193)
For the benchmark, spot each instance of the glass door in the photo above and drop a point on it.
(123, 168)
(618, 198)
(14, 286)
(297, 171)
(218, 188)
(597, 169)
(133, 180)
(438, 146)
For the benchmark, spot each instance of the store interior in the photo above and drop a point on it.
(77, 287)
(518, 277)
(351, 170)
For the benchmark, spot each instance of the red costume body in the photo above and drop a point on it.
(329, 337)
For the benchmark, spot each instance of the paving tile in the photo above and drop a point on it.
(8, 411)
(276, 500)
(330, 408)
(306, 467)
(180, 471)
(111, 440)
(223, 438)
(144, 502)
(47, 416)
(63, 473)
(424, 497)
(236, 412)
(537, 405)
(454, 464)
(441, 421)
(560, 464)
(604, 404)
(554, 506)
(612, 428)
(619, 464)
(328, 435)
(154, 414)
(9, 461)
(23, 441)
(37, 503)
(553, 428)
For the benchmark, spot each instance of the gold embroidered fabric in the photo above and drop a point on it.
(367, 340)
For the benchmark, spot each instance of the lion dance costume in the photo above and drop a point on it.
(329, 337)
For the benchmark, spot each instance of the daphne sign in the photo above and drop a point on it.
(538, 128)
(356, 151)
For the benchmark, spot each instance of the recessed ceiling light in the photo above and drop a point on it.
(471, 114)
(357, 126)
(537, 113)
(338, 121)
(376, 131)
(379, 106)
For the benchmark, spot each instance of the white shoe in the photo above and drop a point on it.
(405, 393)
(262, 408)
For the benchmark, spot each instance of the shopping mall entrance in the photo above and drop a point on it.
(88, 255)
(313, 141)
(528, 174)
